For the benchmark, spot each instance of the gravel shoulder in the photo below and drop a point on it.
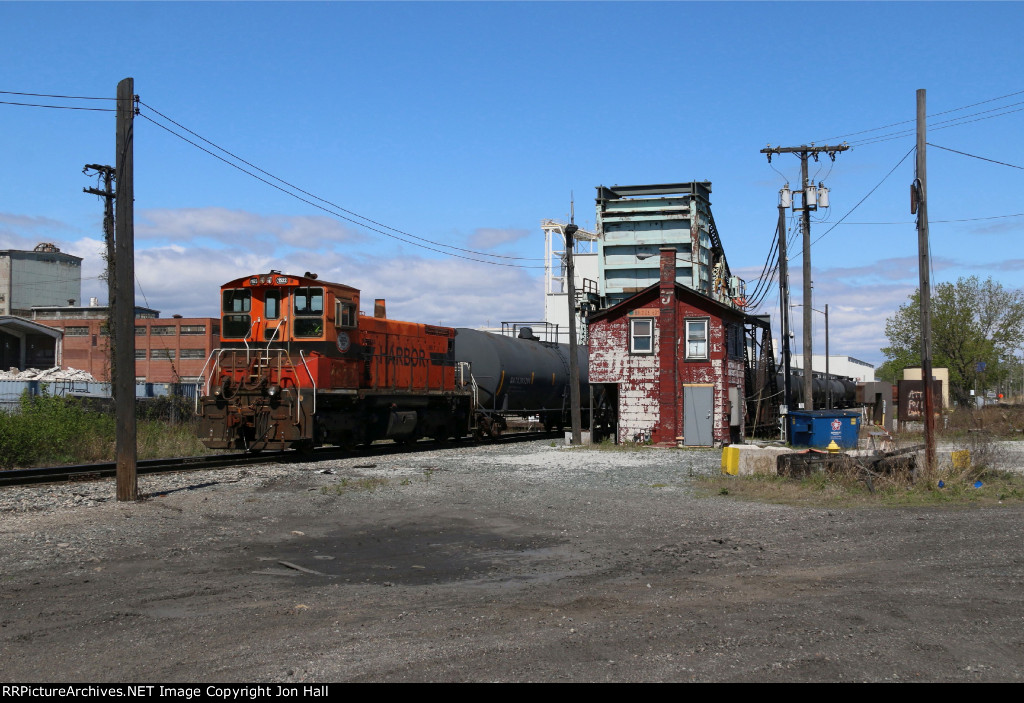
(512, 563)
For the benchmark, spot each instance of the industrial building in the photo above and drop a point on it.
(556, 286)
(635, 222)
(43, 276)
(845, 366)
(166, 350)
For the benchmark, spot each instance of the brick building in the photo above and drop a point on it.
(166, 350)
(672, 360)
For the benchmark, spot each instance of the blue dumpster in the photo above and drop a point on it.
(817, 428)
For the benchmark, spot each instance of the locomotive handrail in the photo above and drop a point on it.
(245, 339)
(312, 382)
(202, 374)
(274, 336)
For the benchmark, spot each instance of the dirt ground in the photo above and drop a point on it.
(523, 563)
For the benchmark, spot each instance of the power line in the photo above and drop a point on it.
(59, 107)
(51, 95)
(850, 211)
(328, 210)
(964, 219)
(945, 124)
(322, 200)
(973, 156)
(937, 114)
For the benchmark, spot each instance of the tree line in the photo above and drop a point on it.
(977, 333)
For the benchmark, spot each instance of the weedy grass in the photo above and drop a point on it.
(973, 486)
(609, 445)
(49, 431)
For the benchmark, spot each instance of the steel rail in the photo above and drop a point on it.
(91, 472)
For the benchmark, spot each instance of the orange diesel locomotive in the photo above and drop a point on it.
(299, 365)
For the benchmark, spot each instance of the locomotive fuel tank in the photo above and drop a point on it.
(519, 375)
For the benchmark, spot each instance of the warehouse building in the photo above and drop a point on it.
(166, 350)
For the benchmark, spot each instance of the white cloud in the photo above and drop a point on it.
(233, 227)
(491, 237)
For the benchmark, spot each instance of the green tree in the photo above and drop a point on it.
(973, 321)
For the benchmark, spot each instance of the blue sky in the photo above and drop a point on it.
(468, 123)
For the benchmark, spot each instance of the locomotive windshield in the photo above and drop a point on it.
(272, 306)
(235, 302)
(309, 312)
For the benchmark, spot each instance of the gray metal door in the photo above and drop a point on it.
(698, 416)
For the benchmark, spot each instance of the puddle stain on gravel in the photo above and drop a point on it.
(417, 555)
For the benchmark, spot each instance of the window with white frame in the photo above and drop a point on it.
(697, 339)
(641, 335)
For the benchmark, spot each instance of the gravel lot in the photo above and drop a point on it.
(512, 563)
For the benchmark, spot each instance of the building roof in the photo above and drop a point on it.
(681, 291)
(26, 326)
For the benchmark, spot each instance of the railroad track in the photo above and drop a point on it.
(94, 472)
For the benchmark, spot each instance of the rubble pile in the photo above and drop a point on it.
(54, 374)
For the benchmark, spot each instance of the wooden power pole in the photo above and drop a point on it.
(920, 200)
(574, 367)
(809, 203)
(122, 311)
(109, 174)
(784, 319)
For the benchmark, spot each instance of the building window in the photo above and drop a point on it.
(641, 335)
(193, 353)
(163, 354)
(193, 329)
(140, 354)
(734, 341)
(76, 331)
(696, 339)
(163, 330)
(140, 331)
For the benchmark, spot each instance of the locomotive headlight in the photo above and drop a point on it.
(274, 391)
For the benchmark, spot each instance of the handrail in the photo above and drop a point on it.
(274, 336)
(312, 381)
(245, 339)
(202, 374)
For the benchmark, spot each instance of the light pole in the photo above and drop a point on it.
(807, 362)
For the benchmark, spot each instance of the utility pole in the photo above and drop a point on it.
(122, 311)
(828, 375)
(108, 173)
(810, 202)
(574, 368)
(784, 309)
(919, 204)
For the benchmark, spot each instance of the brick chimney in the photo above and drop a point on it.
(668, 352)
(668, 268)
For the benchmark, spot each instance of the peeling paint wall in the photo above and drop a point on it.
(637, 375)
(643, 403)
